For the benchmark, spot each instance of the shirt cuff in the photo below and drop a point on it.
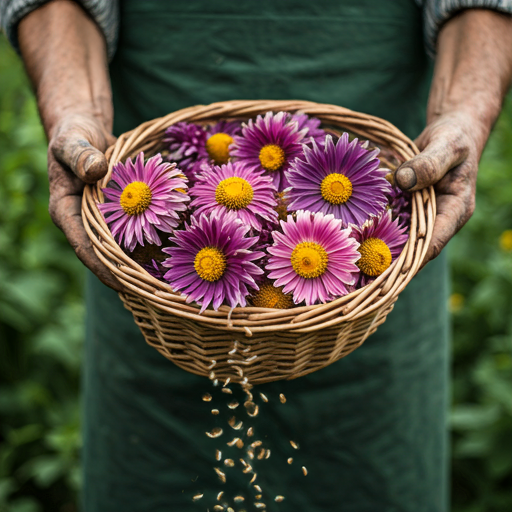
(437, 12)
(104, 12)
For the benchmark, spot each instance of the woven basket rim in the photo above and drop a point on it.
(378, 294)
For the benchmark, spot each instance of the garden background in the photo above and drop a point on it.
(41, 326)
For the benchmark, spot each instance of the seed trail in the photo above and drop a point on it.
(304, 470)
(282, 398)
(216, 432)
(197, 497)
(207, 397)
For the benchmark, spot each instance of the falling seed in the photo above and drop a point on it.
(215, 382)
(233, 441)
(233, 405)
(250, 432)
(279, 499)
(240, 444)
(264, 397)
(230, 509)
(227, 391)
(232, 421)
(267, 455)
(229, 463)
(215, 412)
(260, 505)
(294, 445)
(250, 452)
(250, 397)
(257, 488)
(282, 398)
(243, 463)
(252, 408)
(212, 375)
(290, 460)
(258, 496)
(197, 497)
(304, 470)
(219, 496)
(218, 455)
(216, 432)
(247, 469)
(256, 444)
(238, 499)
(227, 381)
(221, 475)
(253, 479)
(207, 397)
(239, 425)
(262, 453)
(218, 508)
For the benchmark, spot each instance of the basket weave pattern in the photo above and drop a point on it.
(270, 344)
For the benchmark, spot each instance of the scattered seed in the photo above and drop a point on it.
(219, 496)
(238, 499)
(294, 445)
(218, 508)
(239, 425)
(262, 453)
(247, 469)
(218, 455)
(221, 475)
(260, 505)
(258, 489)
(279, 499)
(227, 381)
(290, 460)
(232, 421)
(230, 509)
(197, 497)
(253, 479)
(250, 397)
(258, 496)
(282, 398)
(212, 375)
(215, 382)
(264, 397)
(256, 444)
(244, 464)
(240, 444)
(304, 470)
(207, 397)
(215, 412)
(227, 391)
(233, 405)
(216, 432)
(229, 463)
(267, 455)
(252, 408)
(233, 441)
(250, 452)
(250, 432)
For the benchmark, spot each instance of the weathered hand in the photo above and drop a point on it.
(449, 161)
(75, 157)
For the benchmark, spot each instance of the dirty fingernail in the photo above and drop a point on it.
(405, 178)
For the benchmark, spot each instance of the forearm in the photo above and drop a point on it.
(65, 56)
(473, 70)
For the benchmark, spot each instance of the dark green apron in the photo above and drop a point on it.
(371, 428)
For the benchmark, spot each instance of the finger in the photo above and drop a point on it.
(439, 156)
(73, 150)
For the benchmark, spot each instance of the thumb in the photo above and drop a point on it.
(439, 156)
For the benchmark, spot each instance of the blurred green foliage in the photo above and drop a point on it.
(41, 326)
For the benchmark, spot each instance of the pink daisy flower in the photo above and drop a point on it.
(234, 187)
(342, 179)
(143, 197)
(212, 261)
(313, 258)
(382, 240)
(312, 127)
(269, 144)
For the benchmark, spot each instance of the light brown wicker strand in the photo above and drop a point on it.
(287, 343)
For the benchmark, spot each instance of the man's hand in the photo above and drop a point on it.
(65, 56)
(472, 75)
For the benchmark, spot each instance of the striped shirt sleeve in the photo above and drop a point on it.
(104, 12)
(437, 12)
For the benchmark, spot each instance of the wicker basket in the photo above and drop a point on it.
(250, 344)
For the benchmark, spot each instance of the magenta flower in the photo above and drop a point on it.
(314, 258)
(234, 187)
(212, 261)
(382, 240)
(269, 144)
(400, 205)
(312, 127)
(342, 179)
(145, 197)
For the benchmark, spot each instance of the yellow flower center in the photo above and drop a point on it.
(309, 259)
(270, 296)
(506, 240)
(217, 147)
(375, 257)
(272, 157)
(210, 264)
(234, 193)
(336, 188)
(136, 198)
